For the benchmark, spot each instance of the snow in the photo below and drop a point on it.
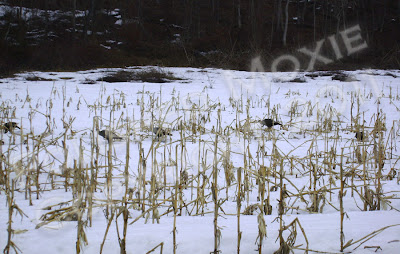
(201, 93)
(118, 22)
(106, 47)
(28, 14)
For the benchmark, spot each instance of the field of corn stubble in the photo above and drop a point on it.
(189, 167)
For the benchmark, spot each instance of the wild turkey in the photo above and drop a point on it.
(269, 122)
(108, 135)
(160, 132)
(10, 126)
(360, 136)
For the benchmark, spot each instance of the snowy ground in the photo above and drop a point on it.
(317, 124)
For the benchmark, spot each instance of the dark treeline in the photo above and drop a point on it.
(77, 34)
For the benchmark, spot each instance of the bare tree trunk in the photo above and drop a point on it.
(303, 12)
(239, 18)
(286, 22)
(189, 19)
(398, 9)
(279, 15)
(140, 10)
(314, 21)
(383, 16)
(253, 19)
(215, 9)
(92, 10)
(198, 17)
(73, 15)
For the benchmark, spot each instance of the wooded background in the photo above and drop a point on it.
(81, 34)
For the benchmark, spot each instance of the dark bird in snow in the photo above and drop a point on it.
(10, 126)
(160, 132)
(108, 135)
(360, 136)
(269, 122)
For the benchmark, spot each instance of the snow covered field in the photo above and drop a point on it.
(312, 168)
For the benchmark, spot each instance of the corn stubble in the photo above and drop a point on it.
(200, 186)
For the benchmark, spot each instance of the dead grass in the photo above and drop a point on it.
(37, 78)
(264, 169)
(152, 75)
(156, 76)
(88, 81)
